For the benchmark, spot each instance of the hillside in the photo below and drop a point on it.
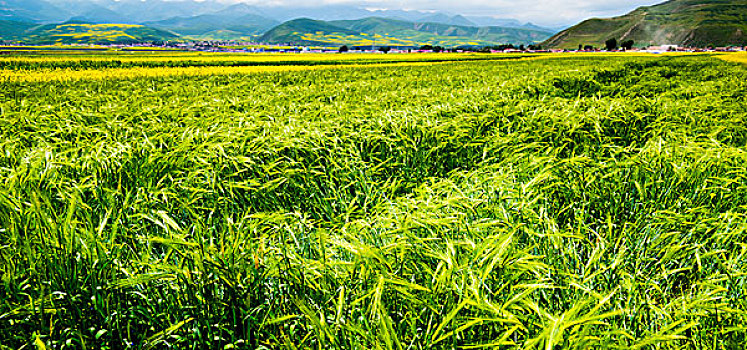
(298, 31)
(430, 31)
(13, 30)
(384, 31)
(87, 33)
(210, 26)
(681, 22)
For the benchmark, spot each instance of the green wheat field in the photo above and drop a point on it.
(562, 202)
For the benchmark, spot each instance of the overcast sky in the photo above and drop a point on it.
(544, 12)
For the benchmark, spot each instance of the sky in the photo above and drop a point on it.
(543, 12)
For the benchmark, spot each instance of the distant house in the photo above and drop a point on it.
(729, 49)
(662, 48)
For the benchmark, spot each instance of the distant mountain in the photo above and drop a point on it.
(217, 26)
(347, 12)
(139, 11)
(38, 11)
(457, 20)
(486, 21)
(389, 32)
(496, 35)
(530, 25)
(680, 22)
(324, 13)
(402, 15)
(99, 14)
(88, 33)
(238, 10)
(329, 24)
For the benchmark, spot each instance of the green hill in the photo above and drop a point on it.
(13, 30)
(681, 22)
(384, 31)
(87, 33)
(304, 31)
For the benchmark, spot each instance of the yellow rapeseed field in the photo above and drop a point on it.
(739, 57)
(233, 57)
(71, 74)
(274, 63)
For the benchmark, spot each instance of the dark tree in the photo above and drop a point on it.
(343, 48)
(385, 49)
(627, 44)
(501, 47)
(611, 44)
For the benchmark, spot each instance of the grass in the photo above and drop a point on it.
(571, 202)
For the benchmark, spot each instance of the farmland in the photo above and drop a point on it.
(373, 202)
(119, 66)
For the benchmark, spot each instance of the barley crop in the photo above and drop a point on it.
(569, 202)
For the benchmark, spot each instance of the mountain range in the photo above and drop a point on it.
(679, 22)
(380, 31)
(697, 23)
(22, 20)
